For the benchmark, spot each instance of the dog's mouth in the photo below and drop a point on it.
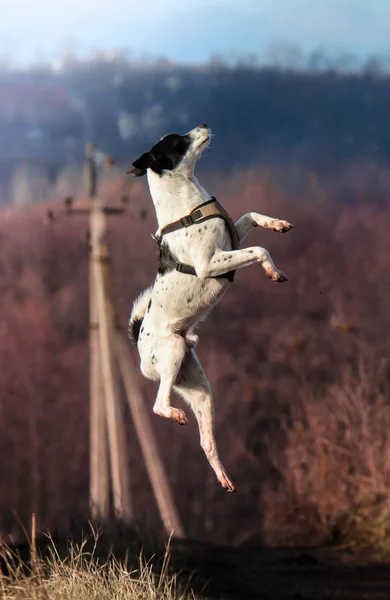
(204, 142)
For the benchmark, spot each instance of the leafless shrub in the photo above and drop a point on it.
(299, 373)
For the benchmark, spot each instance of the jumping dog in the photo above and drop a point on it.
(199, 251)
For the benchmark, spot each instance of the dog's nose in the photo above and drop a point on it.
(204, 126)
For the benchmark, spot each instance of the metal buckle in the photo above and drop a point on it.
(197, 214)
(186, 221)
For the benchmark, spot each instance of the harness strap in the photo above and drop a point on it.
(208, 210)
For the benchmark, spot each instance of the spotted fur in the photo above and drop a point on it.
(164, 317)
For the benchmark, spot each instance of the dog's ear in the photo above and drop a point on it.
(140, 165)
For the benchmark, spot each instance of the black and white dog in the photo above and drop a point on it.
(198, 251)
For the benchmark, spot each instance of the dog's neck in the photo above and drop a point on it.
(175, 195)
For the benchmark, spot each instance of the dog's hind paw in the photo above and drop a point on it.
(225, 480)
(227, 484)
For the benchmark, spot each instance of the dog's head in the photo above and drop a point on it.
(173, 152)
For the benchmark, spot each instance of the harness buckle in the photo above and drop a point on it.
(187, 221)
(197, 214)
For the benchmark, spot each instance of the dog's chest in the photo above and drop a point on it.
(203, 238)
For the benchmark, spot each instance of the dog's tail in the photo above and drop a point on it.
(140, 306)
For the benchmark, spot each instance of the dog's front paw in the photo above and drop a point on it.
(276, 275)
(280, 226)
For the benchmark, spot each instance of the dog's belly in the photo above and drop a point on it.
(178, 302)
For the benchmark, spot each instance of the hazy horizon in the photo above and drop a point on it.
(194, 31)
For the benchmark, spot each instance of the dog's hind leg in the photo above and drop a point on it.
(193, 386)
(172, 354)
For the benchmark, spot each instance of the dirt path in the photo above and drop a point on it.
(280, 574)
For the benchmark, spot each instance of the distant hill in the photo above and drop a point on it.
(259, 115)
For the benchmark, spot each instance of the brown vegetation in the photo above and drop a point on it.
(299, 372)
(80, 571)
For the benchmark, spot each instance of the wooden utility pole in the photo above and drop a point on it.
(99, 467)
(157, 474)
(100, 267)
(99, 476)
(103, 375)
(110, 361)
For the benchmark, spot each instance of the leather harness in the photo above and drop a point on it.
(208, 210)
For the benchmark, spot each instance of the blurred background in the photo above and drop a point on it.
(297, 94)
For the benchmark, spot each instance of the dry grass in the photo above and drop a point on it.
(82, 575)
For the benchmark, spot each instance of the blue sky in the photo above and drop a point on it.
(192, 30)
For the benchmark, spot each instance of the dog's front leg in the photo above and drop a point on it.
(222, 262)
(252, 219)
